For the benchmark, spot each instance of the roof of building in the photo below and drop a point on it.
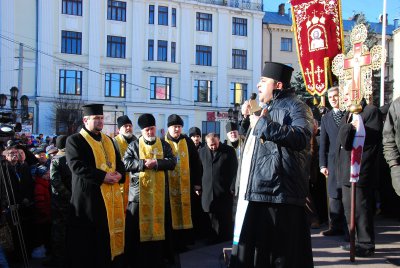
(286, 19)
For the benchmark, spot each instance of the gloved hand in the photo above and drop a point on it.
(395, 173)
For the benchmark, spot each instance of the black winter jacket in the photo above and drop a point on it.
(278, 172)
(391, 135)
(135, 165)
(344, 142)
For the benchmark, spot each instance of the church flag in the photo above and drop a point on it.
(317, 26)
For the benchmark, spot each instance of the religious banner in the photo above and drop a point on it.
(317, 26)
(354, 69)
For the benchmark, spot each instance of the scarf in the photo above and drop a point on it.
(105, 158)
(151, 194)
(179, 186)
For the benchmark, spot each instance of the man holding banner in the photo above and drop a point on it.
(271, 227)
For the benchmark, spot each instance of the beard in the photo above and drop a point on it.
(150, 139)
(127, 135)
(233, 139)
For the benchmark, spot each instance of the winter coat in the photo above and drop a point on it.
(278, 172)
(373, 136)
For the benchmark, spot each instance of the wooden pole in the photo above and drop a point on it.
(352, 230)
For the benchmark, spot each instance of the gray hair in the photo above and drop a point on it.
(335, 88)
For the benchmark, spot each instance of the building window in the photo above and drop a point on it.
(238, 93)
(173, 23)
(151, 14)
(160, 88)
(115, 46)
(203, 55)
(239, 26)
(239, 59)
(202, 90)
(116, 10)
(150, 50)
(173, 52)
(162, 50)
(203, 22)
(72, 7)
(211, 127)
(71, 42)
(162, 15)
(286, 44)
(70, 82)
(115, 85)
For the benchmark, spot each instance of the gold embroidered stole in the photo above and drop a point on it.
(104, 153)
(151, 194)
(179, 186)
(123, 146)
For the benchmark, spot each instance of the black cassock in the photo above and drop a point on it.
(88, 239)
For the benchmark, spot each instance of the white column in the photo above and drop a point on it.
(256, 52)
(8, 75)
(223, 51)
(139, 51)
(186, 54)
(95, 88)
(46, 85)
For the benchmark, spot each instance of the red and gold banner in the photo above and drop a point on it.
(317, 26)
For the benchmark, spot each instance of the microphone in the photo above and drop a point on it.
(254, 107)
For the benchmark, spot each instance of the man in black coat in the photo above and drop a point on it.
(271, 227)
(327, 150)
(368, 178)
(391, 143)
(219, 171)
(94, 236)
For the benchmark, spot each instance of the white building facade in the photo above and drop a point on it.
(192, 58)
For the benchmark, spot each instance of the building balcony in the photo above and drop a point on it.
(241, 4)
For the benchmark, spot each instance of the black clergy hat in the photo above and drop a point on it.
(193, 131)
(278, 71)
(174, 119)
(230, 126)
(92, 109)
(60, 142)
(123, 120)
(146, 120)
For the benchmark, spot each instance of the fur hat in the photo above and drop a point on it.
(60, 142)
(193, 131)
(123, 120)
(51, 149)
(230, 126)
(174, 119)
(146, 120)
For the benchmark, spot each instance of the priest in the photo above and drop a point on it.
(271, 228)
(96, 228)
(148, 216)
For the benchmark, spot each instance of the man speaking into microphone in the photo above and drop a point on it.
(271, 228)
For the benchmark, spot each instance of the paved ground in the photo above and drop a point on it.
(325, 249)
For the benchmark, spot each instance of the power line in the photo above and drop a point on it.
(87, 68)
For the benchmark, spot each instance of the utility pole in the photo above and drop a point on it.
(20, 68)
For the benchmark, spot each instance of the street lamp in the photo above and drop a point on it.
(3, 100)
(24, 101)
(14, 92)
(233, 113)
(14, 98)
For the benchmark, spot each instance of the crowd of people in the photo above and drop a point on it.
(89, 200)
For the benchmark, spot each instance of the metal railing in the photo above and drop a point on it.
(241, 4)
